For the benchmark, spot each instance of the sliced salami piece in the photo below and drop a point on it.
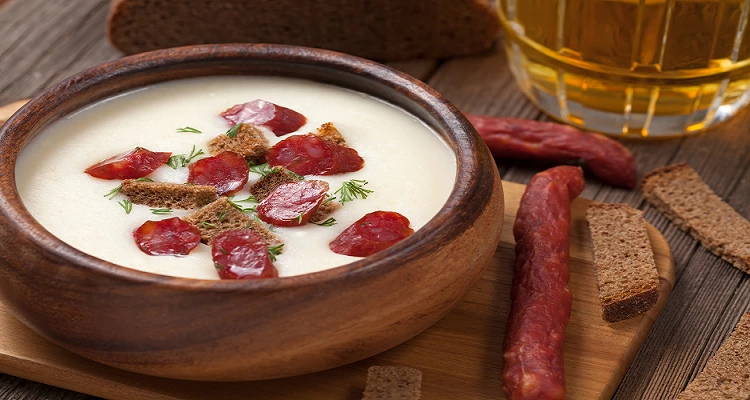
(242, 254)
(280, 120)
(372, 233)
(312, 155)
(168, 237)
(133, 164)
(227, 172)
(293, 204)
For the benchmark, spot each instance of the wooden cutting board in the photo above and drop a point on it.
(460, 356)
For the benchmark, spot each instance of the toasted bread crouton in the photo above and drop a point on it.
(248, 142)
(267, 184)
(221, 216)
(324, 211)
(329, 132)
(393, 383)
(168, 195)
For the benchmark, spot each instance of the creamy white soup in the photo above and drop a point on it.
(409, 168)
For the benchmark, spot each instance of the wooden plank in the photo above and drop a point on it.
(461, 356)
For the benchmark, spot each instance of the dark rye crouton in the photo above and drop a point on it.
(221, 216)
(393, 383)
(324, 211)
(626, 274)
(248, 142)
(329, 132)
(168, 195)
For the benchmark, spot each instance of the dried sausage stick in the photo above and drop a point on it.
(540, 298)
(525, 139)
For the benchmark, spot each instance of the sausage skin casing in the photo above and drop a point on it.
(540, 298)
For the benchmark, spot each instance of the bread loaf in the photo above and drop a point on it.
(393, 383)
(380, 30)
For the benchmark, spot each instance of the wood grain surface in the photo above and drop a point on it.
(43, 41)
(460, 356)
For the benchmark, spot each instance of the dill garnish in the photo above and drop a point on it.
(274, 251)
(161, 211)
(144, 180)
(182, 160)
(249, 199)
(127, 205)
(352, 189)
(328, 222)
(221, 215)
(263, 169)
(112, 193)
(246, 210)
(232, 132)
(207, 224)
(188, 129)
(299, 218)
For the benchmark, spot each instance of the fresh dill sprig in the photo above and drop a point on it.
(232, 132)
(296, 175)
(207, 224)
(249, 199)
(246, 210)
(112, 193)
(127, 205)
(257, 218)
(223, 250)
(274, 251)
(144, 180)
(221, 215)
(263, 169)
(188, 129)
(218, 266)
(299, 218)
(328, 222)
(161, 211)
(352, 189)
(329, 198)
(182, 160)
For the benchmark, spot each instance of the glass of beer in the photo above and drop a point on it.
(642, 68)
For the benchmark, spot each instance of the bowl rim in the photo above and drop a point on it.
(472, 159)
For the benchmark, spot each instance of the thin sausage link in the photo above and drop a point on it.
(525, 139)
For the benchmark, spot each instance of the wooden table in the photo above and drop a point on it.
(42, 42)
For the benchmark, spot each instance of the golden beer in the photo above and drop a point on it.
(631, 67)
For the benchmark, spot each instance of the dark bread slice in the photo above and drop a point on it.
(393, 383)
(626, 274)
(329, 132)
(679, 193)
(249, 142)
(221, 216)
(267, 184)
(168, 195)
(727, 374)
(382, 30)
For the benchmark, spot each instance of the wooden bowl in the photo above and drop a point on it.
(246, 330)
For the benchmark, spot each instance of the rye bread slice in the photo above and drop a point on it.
(221, 216)
(679, 193)
(626, 274)
(727, 374)
(168, 195)
(382, 30)
(393, 383)
(249, 142)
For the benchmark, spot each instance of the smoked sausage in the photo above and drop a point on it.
(525, 139)
(540, 298)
